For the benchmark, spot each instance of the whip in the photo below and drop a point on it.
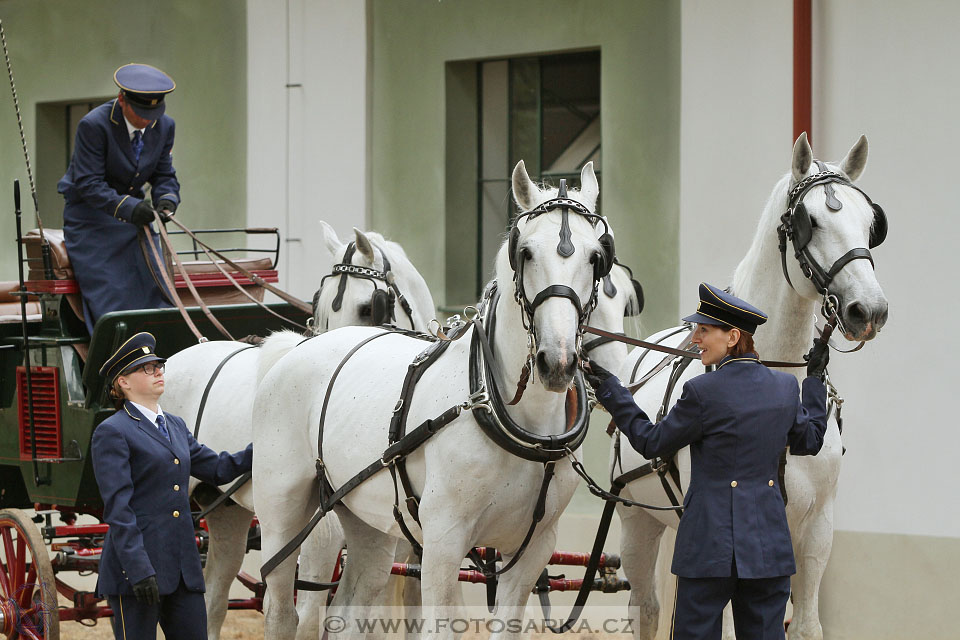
(44, 245)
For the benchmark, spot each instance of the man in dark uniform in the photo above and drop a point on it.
(733, 542)
(120, 146)
(143, 459)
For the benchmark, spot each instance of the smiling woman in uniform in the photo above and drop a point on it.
(733, 543)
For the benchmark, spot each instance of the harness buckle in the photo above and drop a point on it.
(398, 406)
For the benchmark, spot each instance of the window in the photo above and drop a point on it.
(544, 110)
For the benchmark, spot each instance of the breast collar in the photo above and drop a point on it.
(747, 357)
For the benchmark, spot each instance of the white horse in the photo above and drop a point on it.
(472, 491)
(226, 425)
(810, 481)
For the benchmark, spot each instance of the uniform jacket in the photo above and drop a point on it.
(103, 184)
(736, 420)
(143, 482)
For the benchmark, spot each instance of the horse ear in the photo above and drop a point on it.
(589, 188)
(802, 157)
(523, 188)
(856, 159)
(334, 246)
(364, 246)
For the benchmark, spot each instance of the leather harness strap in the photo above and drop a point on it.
(286, 297)
(206, 390)
(186, 278)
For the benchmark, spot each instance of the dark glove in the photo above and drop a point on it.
(166, 209)
(147, 591)
(818, 358)
(595, 374)
(142, 214)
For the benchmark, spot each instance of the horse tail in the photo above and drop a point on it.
(275, 347)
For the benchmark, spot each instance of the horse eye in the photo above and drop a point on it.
(525, 254)
(813, 223)
(364, 310)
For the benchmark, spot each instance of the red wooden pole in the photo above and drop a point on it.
(802, 93)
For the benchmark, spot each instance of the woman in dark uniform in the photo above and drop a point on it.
(733, 543)
(143, 459)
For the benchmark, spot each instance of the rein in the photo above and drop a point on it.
(652, 346)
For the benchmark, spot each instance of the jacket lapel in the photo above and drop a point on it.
(120, 133)
(148, 427)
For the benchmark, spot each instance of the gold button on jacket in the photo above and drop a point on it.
(770, 483)
(733, 484)
(176, 514)
(176, 461)
(176, 487)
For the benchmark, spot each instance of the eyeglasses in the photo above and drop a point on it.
(152, 368)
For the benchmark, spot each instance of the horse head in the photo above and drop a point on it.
(832, 225)
(372, 283)
(557, 252)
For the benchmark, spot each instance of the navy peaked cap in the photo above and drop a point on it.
(717, 307)
(136, 351)
(144, 88)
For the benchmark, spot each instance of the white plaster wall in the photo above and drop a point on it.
(887, 70)
(306, 128)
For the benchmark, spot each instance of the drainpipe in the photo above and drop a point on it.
(802, 98)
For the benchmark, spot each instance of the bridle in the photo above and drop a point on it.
(796, 225)
(601, 263)
(382, 302)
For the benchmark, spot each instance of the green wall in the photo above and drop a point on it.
(67, 51)
(418, 153)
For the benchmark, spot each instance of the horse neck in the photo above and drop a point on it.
(759, 279)
(539, 411)
(414, 288)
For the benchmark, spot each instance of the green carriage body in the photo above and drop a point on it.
(70, 398)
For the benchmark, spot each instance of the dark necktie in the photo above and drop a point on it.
(162, 426)
(137, 144)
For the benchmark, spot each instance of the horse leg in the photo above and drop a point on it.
(639, 546)
(515, 585)
(318, 558)
(446, 542)
(229, 526)
(280, 521)
(360, 599)
(812, 550)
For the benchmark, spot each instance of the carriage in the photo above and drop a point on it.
(48, 413)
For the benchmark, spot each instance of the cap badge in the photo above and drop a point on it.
(146, 349)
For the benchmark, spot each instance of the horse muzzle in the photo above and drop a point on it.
(863, 321)
(556, 373)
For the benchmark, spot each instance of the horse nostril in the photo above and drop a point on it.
(857, 314)
(543, 368)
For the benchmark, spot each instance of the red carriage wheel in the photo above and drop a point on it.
(28, 593)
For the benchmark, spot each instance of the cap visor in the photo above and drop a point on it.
(139, 362)
(148, 113)
(702, 319)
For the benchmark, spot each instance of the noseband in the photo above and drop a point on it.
(382, 302)
(796, 225)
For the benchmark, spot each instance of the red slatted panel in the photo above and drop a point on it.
(45, 386)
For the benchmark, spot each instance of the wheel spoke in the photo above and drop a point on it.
(4, 581)
(21, 561)
(29, 586)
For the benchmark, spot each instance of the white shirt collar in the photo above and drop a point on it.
(149, 415)
(130, 130)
